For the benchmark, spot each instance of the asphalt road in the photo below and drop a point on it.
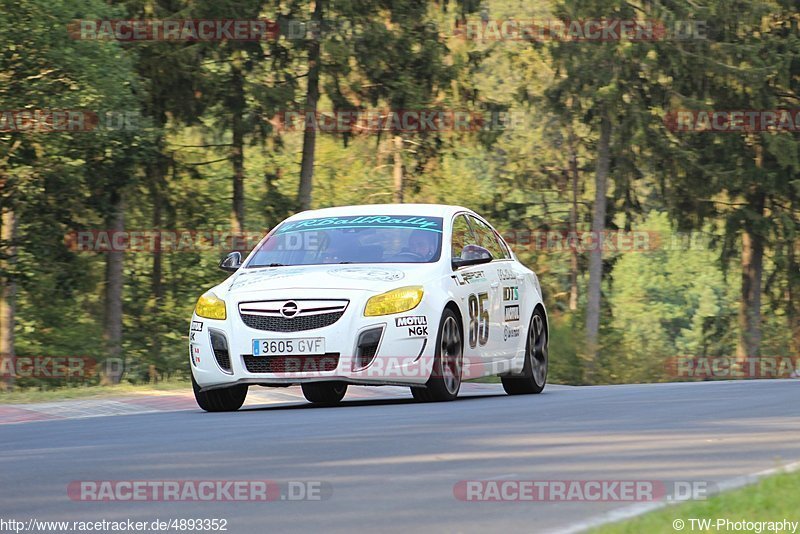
(391, 465)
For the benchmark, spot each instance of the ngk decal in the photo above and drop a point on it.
(417, 325)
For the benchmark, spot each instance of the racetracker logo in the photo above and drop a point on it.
(67, 120)
(384, 368)
(365, 121)
(160, 240)
(733, 121)
(581, 490)
(55, 367)
(579, 241)
(731, 367)
(423, 367)
(174, 30)
(199, 490)
(579, 30)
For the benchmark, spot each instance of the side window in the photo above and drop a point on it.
(488, 239)
(504, 246)
(462, 235)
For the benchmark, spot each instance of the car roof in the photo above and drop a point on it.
(427, 210)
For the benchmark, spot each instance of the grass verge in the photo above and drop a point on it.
(773, 498)
(30, 395)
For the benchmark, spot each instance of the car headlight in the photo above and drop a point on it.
(394, 301)
(210, 306)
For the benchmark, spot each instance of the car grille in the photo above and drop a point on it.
(367, 347)
(295, 324)
(219, 345)
(306, 314)
(368, 353)
(223, 359)
(292, 364)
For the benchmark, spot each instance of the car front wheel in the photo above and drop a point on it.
(324, 393)
(227, 399)
(445, 380)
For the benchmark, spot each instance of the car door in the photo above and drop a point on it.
(472, 285)
(506, 329)
(518, 295)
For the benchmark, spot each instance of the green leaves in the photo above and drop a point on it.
(198, 108)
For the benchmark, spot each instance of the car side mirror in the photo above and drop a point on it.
(472, 255)
(232, 262)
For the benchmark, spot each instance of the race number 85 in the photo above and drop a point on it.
(478, 320)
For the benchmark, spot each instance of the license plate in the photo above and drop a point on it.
(289, 347)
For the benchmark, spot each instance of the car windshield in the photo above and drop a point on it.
(353, 239)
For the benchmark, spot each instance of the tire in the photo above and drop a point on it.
(227, 399)
(324, 393)
(534, 372)
(445, 380)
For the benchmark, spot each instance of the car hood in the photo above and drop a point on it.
(373, 277)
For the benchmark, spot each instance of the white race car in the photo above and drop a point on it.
(418, 295)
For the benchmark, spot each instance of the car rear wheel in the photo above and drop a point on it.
(227, 399)
(445, 380)
(534, 372)
(324, 393)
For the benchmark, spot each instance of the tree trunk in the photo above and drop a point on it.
(312, 98)
(749, 345)
(155, 177)
(112, 331)
(596, 254)
(156, 173)
(791, 299)
(573, 227)
(397, 170)
(8, 296)
(273, 213)
(237, 151)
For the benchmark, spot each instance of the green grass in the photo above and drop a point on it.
(773, 498)
(24, 396)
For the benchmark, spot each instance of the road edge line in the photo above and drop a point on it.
(629, 512)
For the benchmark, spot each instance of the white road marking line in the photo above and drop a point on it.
(635, 510)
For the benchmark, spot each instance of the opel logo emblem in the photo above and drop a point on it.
(289, 309)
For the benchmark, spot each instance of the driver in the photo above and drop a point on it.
(423, 244)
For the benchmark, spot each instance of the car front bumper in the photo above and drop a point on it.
(404, 354)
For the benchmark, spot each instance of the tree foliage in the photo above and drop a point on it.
(589, 146)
